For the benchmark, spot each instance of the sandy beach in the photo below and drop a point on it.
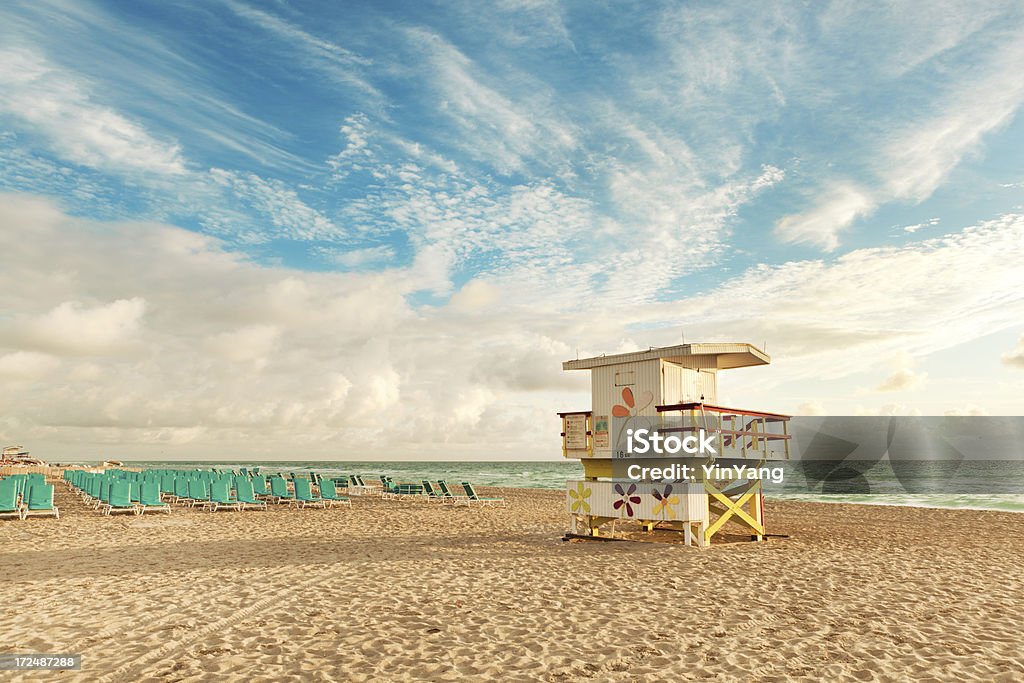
(398, 590)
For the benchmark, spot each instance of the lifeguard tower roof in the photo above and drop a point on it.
(726, 356)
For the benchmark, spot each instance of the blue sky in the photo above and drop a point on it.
(520, 180)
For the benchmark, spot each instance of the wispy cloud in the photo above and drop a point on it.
(293, 217)
(489, 125)
(912, 159)
(356, 258)
(336, 61)
(76, 127)
(914, 227)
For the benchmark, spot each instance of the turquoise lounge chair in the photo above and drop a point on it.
(472, 497)
(247, 497)
(433, 495)
(304, 495)
(447, 496)
(407, 490)
(198, 492)
(120, 498)
(9, 505)
(329, 494)
(40, 502)
(279, 490)
(180, 490)
(103, 492)
(149, 499)
(220, 498)
(167, 486)
(259, 487)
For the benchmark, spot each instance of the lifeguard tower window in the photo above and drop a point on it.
(626, 378)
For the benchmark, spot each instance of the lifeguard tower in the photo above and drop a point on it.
(676, 388)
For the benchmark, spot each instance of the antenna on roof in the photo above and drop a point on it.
(682, 334)
(577, 353)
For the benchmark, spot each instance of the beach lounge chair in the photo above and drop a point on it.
(149, 499)
(304, 495)
(483, 501)
(356, 486)
(167, 486)
(329, 494)
(180, 490)
(102, 492)
(39, 502)
(447, 496)
(9, 505)
(433, 495)
(259, 487)
(198, 492)
(279, 492)
(120, 498)
(220, 498)
(20, 481)
(247, 496)
(407, 490)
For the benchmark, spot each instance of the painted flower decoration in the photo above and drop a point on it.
(666, 502)
(579, 497)
(630, 408)
(626, 500)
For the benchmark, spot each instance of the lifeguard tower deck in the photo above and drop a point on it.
(676, 388)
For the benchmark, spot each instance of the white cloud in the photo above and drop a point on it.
(245, 360)
(74, 328)
(357, 154)
(931, 222)
(252, 343)
(902, 380)
(820, 226)
(1015, 357)
(341, 64)
(77, 127)
(913, 158)
(508, 130)
(27, 365)
(356, 258)
(810, 408)
(836, 318)
(287, 211)
(918, 158)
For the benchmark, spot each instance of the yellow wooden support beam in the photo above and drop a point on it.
(733, 509)
(595, 522)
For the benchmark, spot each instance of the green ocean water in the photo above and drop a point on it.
(983, 485)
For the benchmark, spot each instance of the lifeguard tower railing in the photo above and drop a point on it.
(742, 433)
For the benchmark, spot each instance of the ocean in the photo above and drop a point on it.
(966, 484)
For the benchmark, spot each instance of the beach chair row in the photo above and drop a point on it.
(438, 492)
(26, 495)
(137, 493)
